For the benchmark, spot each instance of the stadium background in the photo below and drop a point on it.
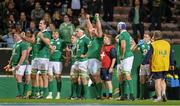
(170, 30)
(8, 83)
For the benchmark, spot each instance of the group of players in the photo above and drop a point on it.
(94, 56)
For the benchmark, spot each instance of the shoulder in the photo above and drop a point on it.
(24, 44)
(124, 35)
(113, 49)
(86, 37)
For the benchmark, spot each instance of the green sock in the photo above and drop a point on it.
(130, 86)
(45, 92)
(37, 89)
(41, 89)
(59, 86)
(33, 91)
(105, 91)
(26, 89)
(20, 88)
(74, 89)
(151, 94)
(79, 90)
(85, 90)
(142, 90)
(99, 88)
(121, 90)
(50, 85)
(110, 92)
(126, 87)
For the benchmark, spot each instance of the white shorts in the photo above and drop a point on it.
(40, 64)
(28, 69)
(119, 68)
(127, 65)
(145, 70)
(82, 66)
(55, 67)
(94, 66)
(74, 70)
(20, 71)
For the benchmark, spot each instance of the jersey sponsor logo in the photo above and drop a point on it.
(162, 53)
(145, 51)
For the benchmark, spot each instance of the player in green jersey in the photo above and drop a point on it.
(93, 53)
(74, 72)
(32, 52)
(18, 61)
(81, 60)
(41, 60)
(126, 56)
(119, 67)
(55, 64)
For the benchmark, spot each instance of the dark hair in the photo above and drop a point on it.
(45, 22)
(66, 15)
(140, 1)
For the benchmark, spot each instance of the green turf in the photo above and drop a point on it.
(90, 101)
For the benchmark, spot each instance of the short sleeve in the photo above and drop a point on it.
(113, 53)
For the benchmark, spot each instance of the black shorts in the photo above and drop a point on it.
(159, 75)
(105, 75)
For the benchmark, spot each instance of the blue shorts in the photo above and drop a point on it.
(105, 75)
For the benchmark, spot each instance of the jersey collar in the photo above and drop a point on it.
(57, 39)
(19, 41)
(82, 36)
(123, 31)
(44, 30)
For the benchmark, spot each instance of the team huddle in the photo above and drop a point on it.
(94, 56)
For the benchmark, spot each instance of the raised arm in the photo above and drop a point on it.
(89, 24)
(28, 39)
(98, 25)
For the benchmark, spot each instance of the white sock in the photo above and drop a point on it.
(159, 97)
(163, 92)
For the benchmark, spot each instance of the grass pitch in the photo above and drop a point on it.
(88, 101)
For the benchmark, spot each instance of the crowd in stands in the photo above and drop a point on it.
(26, 14)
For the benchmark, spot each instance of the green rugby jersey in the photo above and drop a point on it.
(143, 47)
(126, 36)
(94, 48)
(18, 48)
(82, 47)
(57, 55)
(41, 48)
